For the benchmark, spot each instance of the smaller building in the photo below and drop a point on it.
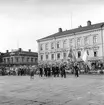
(19, 57)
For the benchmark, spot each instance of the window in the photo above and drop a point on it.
(17, 59)
(12, 60)
(95, 53)
(41, 57)
(46, 56)
(58, 45)
(95, 39)
(72, 42)
(52, 56)
(4, 60)
(86, 40)
(64, 55)
(46, 46)
(78, 41)
(36, 59)
(79, 54)
(52, 45)
(22, 59)
(28, 59)
(58, 56)
(31, 59)
(65, 43)
(41, 47)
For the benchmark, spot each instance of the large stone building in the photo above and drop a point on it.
(56, 47)
(19, 57)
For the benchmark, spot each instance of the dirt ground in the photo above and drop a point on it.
(21, 90)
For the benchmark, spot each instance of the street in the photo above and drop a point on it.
(21, 90)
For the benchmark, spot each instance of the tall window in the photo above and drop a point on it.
(32, 60)
(11, 59)
(46, 46)
(36, 60)
(95, 39)
(41, 47)
(52, 56)
(17, 59)
(27, 59)
(58, 56)
(41, 57)
(79, 54)
(58, 44)
(4, 60)
(72, 42)
(95, 53)
(46, 56)
(65, 43)
(78, 41)
(64, 55)
(22, 59)
(86, 40)
(52, 45)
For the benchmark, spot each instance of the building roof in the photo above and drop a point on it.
(76, 30)
(20, 53)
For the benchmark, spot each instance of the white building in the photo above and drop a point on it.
(56, 47)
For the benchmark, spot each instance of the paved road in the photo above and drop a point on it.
(20, 90)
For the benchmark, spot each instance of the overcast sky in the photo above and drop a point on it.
(22, 22)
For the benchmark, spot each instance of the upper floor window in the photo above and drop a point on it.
(65, 43)
(86, 40)
(36, 59)
(4, 60)
(12, 59)
(95, 39)
(78, 41)
(46, 56)
(41, 47)
(46, 46)
(32, 59)
(52, 45)
(72, 42)
(41, 57)
(22, 59)
(58, 44)
(27, 59)
(17, 59)
(58, 56)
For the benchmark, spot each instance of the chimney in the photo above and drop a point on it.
(60, 29)
(29, 50)
(7, 51)
(20, 49)
(88, 23)
(79, 26)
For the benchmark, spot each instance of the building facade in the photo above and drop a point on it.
(19, 57)
(56, 47)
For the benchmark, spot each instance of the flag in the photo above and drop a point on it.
(71, 55)
(85, 56)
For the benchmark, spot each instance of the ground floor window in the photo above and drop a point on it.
(52, 56)
(58, 56)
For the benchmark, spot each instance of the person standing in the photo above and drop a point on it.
(41, 71)
(76, 70)
(31, 74)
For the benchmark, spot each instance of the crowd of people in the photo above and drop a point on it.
(47, 70)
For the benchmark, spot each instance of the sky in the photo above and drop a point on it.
(22, 22)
